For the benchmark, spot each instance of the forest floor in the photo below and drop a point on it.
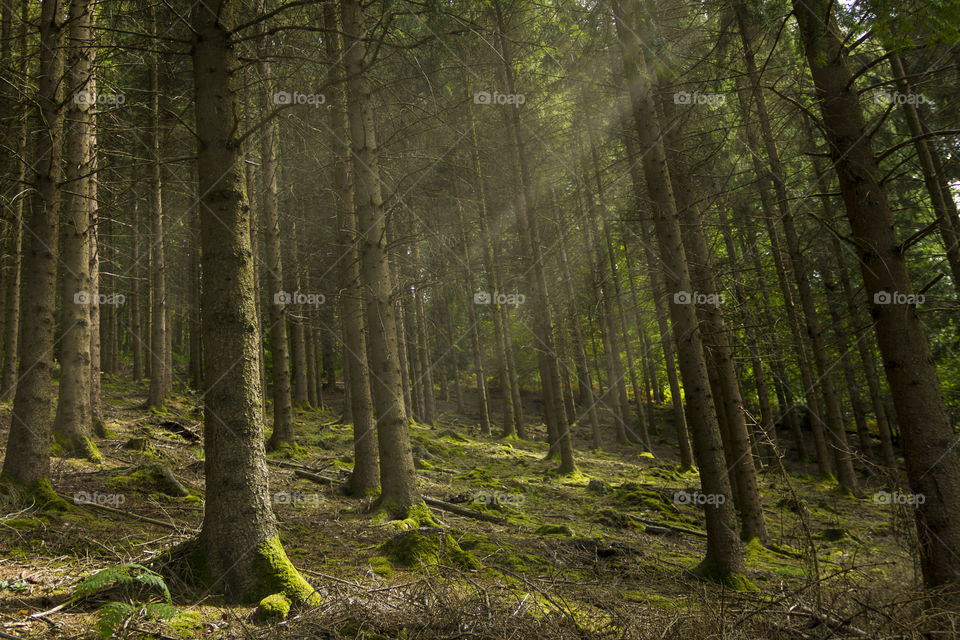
(570, 558)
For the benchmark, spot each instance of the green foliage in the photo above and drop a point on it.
(133, 578)
(124, 575)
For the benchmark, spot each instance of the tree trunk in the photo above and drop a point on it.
(366, 474)
(238, 540)
(724, 556)
(544, 344)
(666, 337)
(397, 475)
(277, 298)
(27, 459)
(933, 462)
(11, 292)
(158, 309)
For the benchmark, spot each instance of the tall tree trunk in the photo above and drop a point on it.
(72, 426)
(724, 556)
(925, 153)
(277, 298)
(824, 460)
(584, 382)
(11, 292)
(238, 539)
(716, 340)
(766, 426)
(397, 475)
(27, 459)
(929, 443)
(653, 275)
(96, 406)
(544, 343)
(365, 477)
(158, 309)
(298, 347)
(511, 421)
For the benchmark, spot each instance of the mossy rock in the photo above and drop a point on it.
(274, 607)
(554, 530)
(612, 518)
(598, 486)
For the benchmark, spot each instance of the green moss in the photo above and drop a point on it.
(708, 570)
(554, 530)
(452, 436)
(23, 523)
(152, 478)
(419, 515)
(41, 492)
(274, 607)
(276, 574)
(647, 454)
(458, 556)
(82, 447)
(381, 566)
(185, 624)
(654, 600)
(289, 451)
(422, 547)
(616, 519)
(412, 549)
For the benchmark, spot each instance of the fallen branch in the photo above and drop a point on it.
(657, 523)
(463, 511)
(9, 637)
(128, 514)
(313, 477)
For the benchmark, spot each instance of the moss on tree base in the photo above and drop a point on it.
(38, 493)
(276, 574)
(82, 447)
(709, 571)
(276, 606)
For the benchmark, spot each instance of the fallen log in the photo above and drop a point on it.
(463, 511)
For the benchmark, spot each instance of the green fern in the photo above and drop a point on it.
(112, 615)
(124, 574)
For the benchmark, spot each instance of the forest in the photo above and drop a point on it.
(479, 319)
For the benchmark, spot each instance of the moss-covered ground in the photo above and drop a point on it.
(611, 560)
